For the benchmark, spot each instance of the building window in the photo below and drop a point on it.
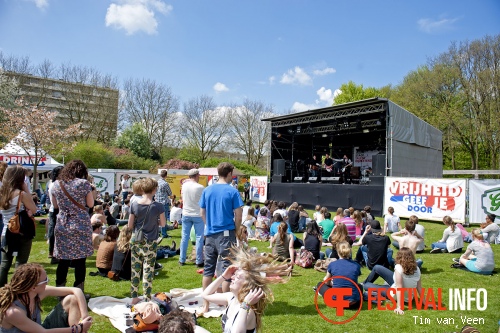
(56, 94)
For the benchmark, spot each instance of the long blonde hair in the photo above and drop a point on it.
(260, 271)
(123, 243)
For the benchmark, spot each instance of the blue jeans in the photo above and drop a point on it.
(384, 273)
(199, 227)
(163, 230)
(439, 245)
(124, 195)
(302, 223)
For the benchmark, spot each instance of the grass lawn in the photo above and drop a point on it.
(294, 310)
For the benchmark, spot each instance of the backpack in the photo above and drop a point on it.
(304, 258)
(165, 303)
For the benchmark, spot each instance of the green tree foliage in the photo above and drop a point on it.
(136, 139)
(190, 153)
(459, 93)
(133, 162)
(244, 167)
(351, 92)
(94, 154)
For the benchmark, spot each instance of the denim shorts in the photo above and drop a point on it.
(57, 318)
(218, 245)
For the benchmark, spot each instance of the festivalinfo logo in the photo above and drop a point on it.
(381, 299)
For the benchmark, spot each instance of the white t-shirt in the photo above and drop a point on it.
(392, 222)
(282, 212)
(175, 214)
(421, 231)
(191, 194)
(453, 239)
(125, 185)
(409, 281)
(244, 212)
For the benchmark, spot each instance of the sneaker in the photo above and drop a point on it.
(174, 246)
(159, 239)
(158, 266)
(436, 250)
(456, 260)
(181, 263)
(201, 265)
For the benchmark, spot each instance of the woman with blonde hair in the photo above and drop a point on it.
(121, 255)
(249, 222)
(14, 189)
(359, 223)
(406, 275)
(338, 235)
(338, 215)
(478, 257)
(250, 276)
(345, 267)
(145, 215)
(20, 304)
(452, 240)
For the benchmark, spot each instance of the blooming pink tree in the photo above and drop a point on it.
(35, 131)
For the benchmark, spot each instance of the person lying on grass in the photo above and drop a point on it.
(250, 276)
(20, 309)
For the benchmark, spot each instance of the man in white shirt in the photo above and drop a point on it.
(191, 216)
(125, 185)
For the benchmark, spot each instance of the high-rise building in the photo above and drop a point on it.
(93, 105)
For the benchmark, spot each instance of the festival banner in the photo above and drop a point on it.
(104, 182)
(484, 198)
(258, 188)
(428, 199)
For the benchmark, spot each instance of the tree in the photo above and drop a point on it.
(136, 139)
(249, 134)
(154, 106)
(205, 125)
(351, 92)
(26, 125)
(8, 87)
(94, 154)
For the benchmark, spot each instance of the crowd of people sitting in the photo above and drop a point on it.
(124, 233)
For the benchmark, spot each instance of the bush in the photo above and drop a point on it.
(245, 168)
(94, 154)
(133, 162)
(179, 164)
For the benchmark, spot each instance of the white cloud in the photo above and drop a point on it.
(325, 95)
(136, 15)
(41, 4)
(272, 79)
(296, 76)
(432, 26)
(337, 92)
(325, 71)
(220, 87)
(299, 107)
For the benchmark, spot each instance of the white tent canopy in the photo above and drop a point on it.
(13, 154)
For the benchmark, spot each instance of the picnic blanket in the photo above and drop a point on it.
(116, 309)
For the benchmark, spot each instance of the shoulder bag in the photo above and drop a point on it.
(139, 234)
(22, 223)
(77, 204)
(116, 276)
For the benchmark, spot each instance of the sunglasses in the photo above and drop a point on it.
(46, 281)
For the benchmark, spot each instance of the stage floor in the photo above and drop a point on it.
(331, 196)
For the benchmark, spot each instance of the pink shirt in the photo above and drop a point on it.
(351, 227)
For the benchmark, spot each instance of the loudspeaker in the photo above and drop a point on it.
(278, 179)
(378, 164)
(377, 180)
(297, 179)
(279, 167)
(313, 179)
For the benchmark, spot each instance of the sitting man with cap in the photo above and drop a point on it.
(375, 247)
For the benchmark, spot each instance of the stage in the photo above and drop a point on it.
(331, 196)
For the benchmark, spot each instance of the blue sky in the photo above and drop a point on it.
(291, 54)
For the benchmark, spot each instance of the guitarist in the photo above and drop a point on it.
(346, 170)
(314, 166)
(328, 163)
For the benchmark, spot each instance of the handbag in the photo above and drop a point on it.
(116, 276)
(22, 223)
(304, 259)
(139, 234)
(14, 224)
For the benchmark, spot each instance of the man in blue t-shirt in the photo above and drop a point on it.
(221, 210)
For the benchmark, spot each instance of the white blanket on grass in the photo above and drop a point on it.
(116, 309)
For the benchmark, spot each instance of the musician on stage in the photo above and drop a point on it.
(346, 170)
(314, 166)
(328, 163)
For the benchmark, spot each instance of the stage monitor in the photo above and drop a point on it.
(313, 179)
(297, 179)
(330, 179)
